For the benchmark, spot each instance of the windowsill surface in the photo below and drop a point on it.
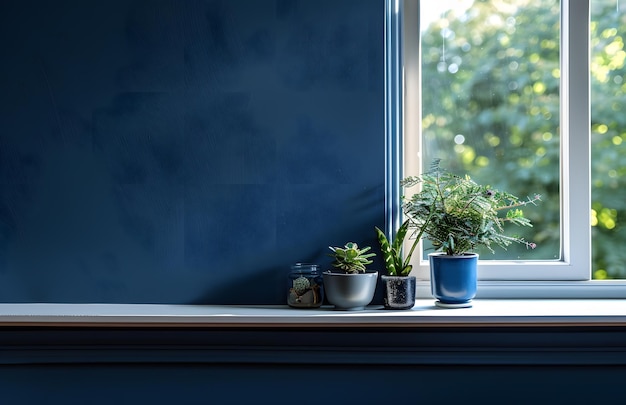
(485, 312)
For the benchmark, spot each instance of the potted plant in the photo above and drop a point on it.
(457, 215)
(399, 285)
(350, 286)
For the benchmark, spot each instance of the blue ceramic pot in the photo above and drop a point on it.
(453, 279)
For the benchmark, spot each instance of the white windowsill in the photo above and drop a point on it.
(485, 312)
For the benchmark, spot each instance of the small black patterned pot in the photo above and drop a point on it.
(399, 292)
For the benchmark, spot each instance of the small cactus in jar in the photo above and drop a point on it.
(301, 285)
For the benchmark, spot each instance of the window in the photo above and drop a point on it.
(490, 103)
(564, 269)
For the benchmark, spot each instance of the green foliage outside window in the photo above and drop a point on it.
(491, 109)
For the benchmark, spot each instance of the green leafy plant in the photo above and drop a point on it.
(350, 258)
(395, 264)
(456, 215)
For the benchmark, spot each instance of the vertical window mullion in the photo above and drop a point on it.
(393, 114)
(575, 136)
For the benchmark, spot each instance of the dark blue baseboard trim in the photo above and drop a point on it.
(316, 346)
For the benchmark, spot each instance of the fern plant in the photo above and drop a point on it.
(350, 258)
(457, 215)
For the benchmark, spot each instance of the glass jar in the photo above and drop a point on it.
(305, 289)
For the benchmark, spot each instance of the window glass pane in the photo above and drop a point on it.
(490, 104)
(608, 138)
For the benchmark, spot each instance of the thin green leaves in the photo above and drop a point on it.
(457, 215)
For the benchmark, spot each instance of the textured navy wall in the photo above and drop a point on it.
(279, 385)
(184, 151)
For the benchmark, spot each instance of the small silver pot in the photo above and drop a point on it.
(350, 292)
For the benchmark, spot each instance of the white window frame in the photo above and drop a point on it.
(571, 275)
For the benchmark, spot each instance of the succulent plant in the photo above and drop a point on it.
(395, 263)
(350, 258)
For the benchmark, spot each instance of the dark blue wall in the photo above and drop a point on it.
(284, 385)
(185, 151)
(318, 365)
